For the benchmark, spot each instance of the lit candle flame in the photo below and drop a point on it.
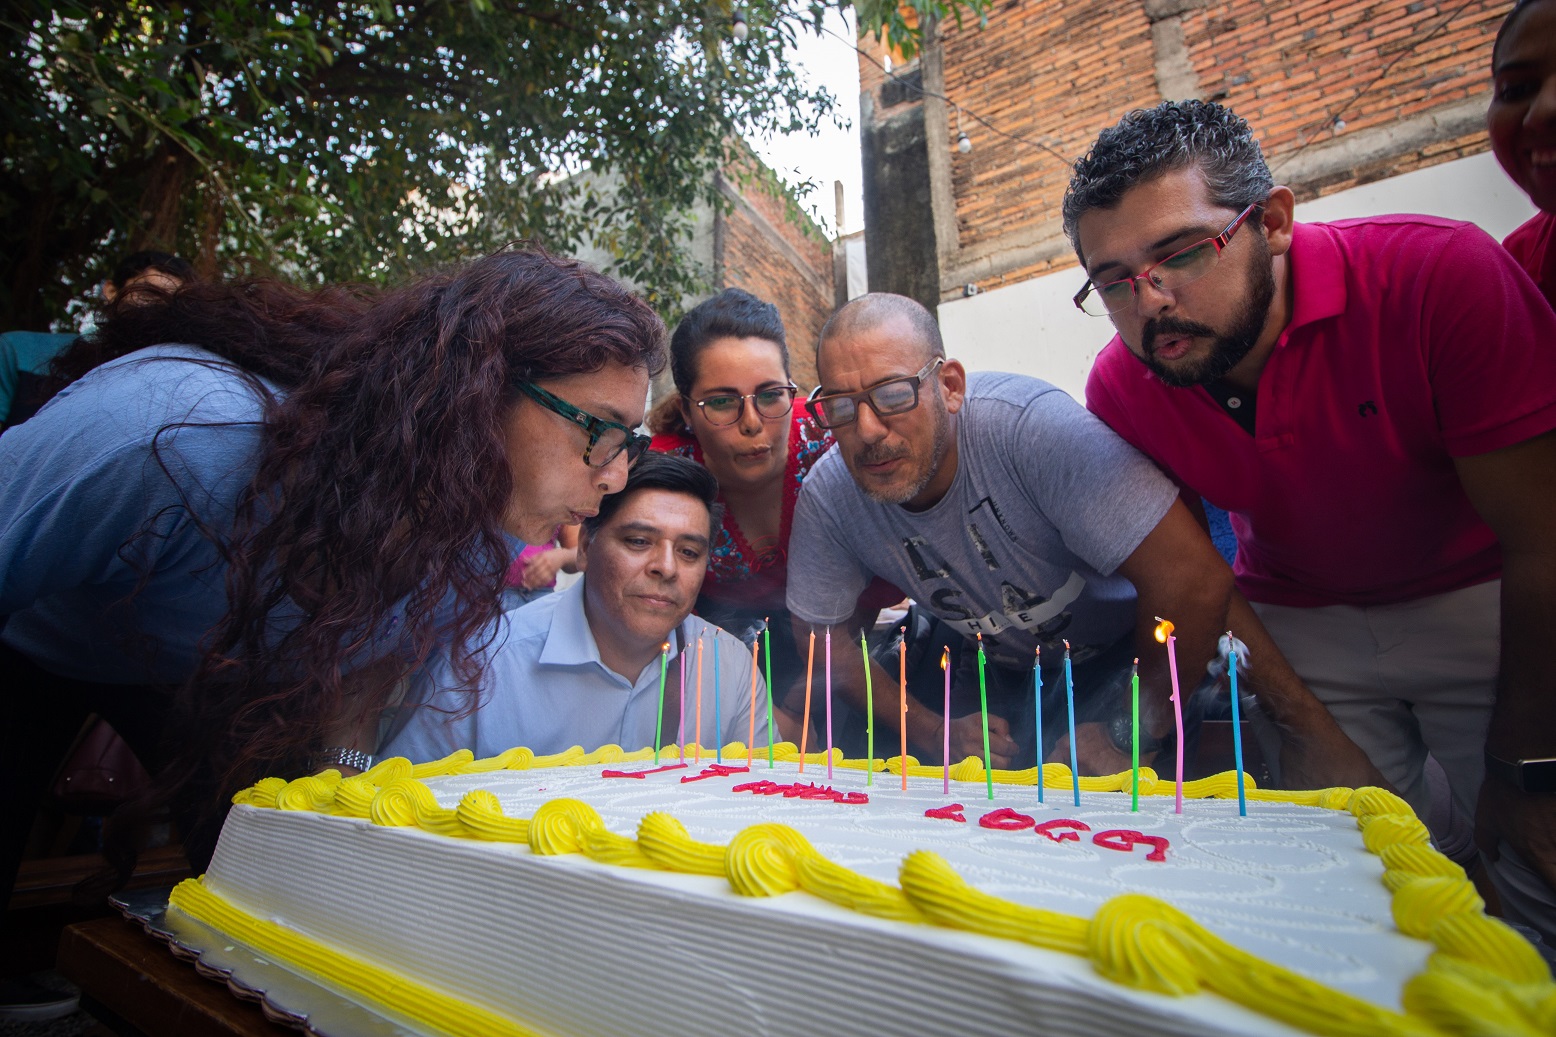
(1164, 629)
(666, 647)
(945, 658)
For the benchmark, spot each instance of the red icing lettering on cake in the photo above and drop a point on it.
(639, 774)
(1006, 820)
(1057, 829)
(1126, 840)
(716, 770)
(800, 791)
(950, 813)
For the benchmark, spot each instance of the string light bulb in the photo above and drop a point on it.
(963, 141)
(738, 27)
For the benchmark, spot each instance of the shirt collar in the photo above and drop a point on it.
(1317, 275)
(570, 642)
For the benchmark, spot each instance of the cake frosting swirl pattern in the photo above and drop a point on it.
(535, 895)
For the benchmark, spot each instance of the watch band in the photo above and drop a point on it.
(341, 755)
(1120, 733)
(1535, 774)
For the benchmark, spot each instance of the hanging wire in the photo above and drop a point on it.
(920, 89)
(1335, 121)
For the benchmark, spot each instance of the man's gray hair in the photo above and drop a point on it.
(1174, 135)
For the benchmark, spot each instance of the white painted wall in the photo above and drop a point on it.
(1033, 327)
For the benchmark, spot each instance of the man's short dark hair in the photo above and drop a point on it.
(671, 472)
(137, 263)
(1150, 142)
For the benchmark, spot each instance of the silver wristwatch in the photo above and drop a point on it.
(339, 755)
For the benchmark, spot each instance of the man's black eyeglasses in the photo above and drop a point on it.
(894, 397)
(606, 438)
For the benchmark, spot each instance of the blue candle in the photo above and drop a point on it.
(1037, 709)
(1069, 702)
(718, 722)
(1237, 727)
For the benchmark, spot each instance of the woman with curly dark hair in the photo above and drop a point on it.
(256, 509)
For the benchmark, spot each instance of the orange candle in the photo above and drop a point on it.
(810, 666)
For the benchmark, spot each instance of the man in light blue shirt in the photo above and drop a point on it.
(582, 667)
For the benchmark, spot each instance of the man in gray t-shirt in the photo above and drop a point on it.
(1003, 507)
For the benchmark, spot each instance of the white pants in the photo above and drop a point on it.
(1404, 681)
(1413, 685)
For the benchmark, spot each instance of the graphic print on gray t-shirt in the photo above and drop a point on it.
(1046, 503)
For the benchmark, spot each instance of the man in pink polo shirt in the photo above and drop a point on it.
(1373, 402)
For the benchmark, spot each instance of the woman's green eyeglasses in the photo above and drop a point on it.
(606, 438)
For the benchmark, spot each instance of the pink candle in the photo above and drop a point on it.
(829, 703)
(945, 724)
(902, 703)
(680, 735)
(756, 645)
(1164, 635)
(697, 752)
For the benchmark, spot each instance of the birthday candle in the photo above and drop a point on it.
(983, 705)
(680, 731)
(1069, 702)
(1134, 737)
(869, 712)
(902, 702)
(1164, 630)
(659, 724)
(1237, 727)
(756, 645)
(829, 702)
(698, 754)
(945, 723)
(718, 707)
(1037, 709)
(767, 657)
(810, 668)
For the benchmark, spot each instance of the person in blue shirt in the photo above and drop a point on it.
(256, 510)
(582, 667)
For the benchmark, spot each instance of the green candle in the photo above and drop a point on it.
(767, 649)
(659, 724)
(869, 711)
(1134, 739)
(983, 702)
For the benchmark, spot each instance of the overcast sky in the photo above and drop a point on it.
(834, 153)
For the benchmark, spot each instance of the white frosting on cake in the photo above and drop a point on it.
(568, 947)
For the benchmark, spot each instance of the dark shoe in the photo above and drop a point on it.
(22, 1000)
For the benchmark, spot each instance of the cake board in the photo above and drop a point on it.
(285, 997)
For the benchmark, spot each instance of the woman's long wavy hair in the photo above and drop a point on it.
(372, 531)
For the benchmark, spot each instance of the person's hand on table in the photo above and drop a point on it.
(1095, 752)
(1524, 821)
(967, 740)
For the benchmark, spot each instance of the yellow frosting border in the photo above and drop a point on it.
(1483, 978)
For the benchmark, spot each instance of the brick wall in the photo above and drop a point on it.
(1057, 72)
(1051, 72)
(769, 247)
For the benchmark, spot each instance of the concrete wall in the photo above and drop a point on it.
(1032, 327)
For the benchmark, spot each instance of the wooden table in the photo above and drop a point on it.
(134, 984)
